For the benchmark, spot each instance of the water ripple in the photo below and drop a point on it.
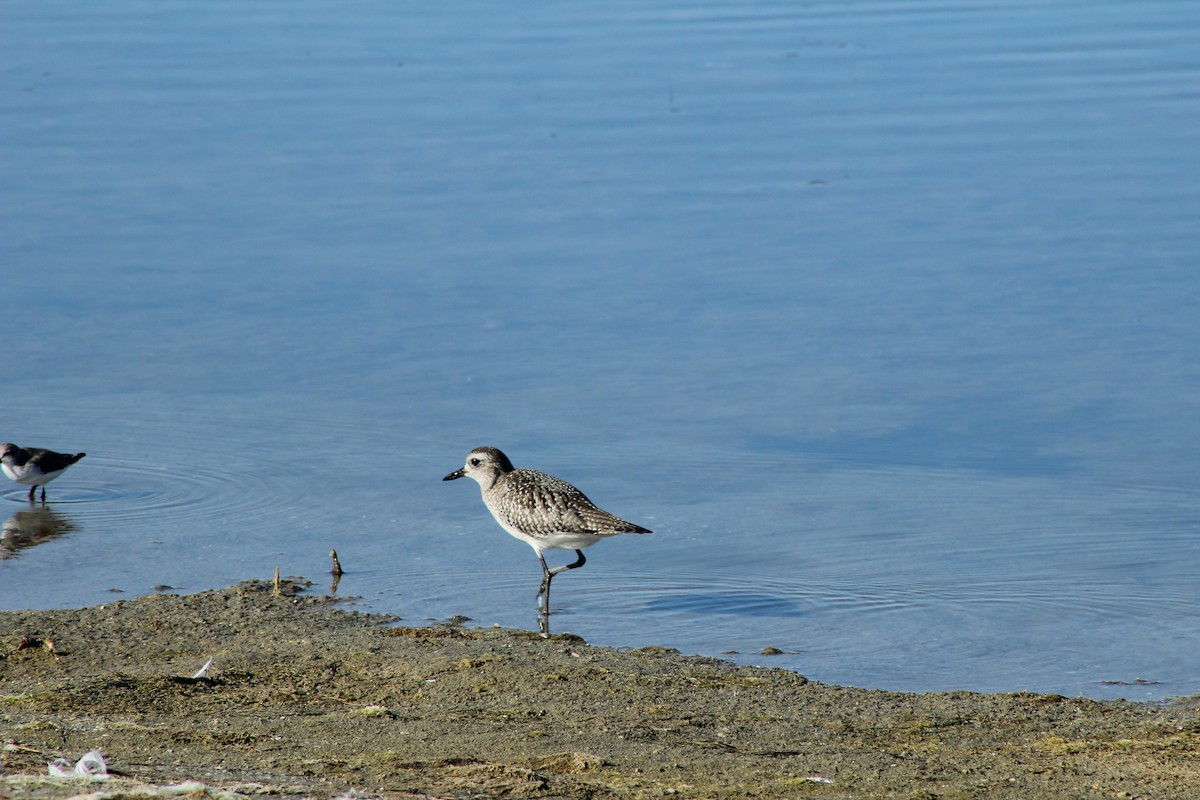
(126, 490)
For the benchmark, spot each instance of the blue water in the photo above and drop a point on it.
(883, 315)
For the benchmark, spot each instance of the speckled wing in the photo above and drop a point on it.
(540, 504)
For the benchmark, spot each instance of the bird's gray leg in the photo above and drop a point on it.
(548, 574)
(544, 589)
(32, 489)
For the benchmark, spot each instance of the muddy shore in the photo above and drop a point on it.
(308, 699)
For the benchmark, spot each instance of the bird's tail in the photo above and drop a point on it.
(74, 458)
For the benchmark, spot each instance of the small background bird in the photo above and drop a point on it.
(34, 466)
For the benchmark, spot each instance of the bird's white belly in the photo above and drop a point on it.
(28, 476)
(555, 540)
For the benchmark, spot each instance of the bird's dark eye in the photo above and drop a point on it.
(474, 462)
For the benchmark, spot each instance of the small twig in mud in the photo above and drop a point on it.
(278, 587)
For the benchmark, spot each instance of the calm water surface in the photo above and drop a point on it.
(883, 315)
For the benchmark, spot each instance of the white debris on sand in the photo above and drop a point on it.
(203, 671)
(91, 765)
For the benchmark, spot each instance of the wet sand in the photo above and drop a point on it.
(308, 699)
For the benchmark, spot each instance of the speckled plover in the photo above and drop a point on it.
(544, 512)
(34, 466)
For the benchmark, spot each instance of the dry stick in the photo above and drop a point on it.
(337, 565)
(278, 589)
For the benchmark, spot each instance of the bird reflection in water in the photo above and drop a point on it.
(32, 527)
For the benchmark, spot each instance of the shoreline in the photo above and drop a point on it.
(306, 698)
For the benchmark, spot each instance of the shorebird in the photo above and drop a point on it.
(539, 509)
(34, 466)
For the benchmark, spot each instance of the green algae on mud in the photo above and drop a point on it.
(307, 699)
